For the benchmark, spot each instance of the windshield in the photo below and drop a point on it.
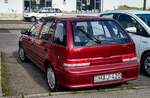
(145, 18)
(99, 32)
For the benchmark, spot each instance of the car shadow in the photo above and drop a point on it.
(37, 75)
(32, 69)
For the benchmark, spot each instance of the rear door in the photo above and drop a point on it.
(41, 45)
(29, 40)
(59, 44)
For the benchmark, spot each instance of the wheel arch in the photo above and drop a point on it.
(33, 17)
(20, 43)
(46, 62)
(145, 52)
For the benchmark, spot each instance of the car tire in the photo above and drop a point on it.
(22, 54)
(51, 79)
(33, 19)
(145, 64)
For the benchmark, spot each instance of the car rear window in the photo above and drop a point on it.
(98, 32)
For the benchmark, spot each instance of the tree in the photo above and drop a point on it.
(144, 5)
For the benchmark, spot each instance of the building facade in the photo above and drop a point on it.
(65, 5)
(14, 9)
(11, 9)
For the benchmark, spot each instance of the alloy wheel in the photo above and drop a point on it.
(22, 54)
(51, 78)
(147, 64)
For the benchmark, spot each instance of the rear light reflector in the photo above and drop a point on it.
(76, 64)
(129, 57)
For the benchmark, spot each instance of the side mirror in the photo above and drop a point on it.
(131, 29)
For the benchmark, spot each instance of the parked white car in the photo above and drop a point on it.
(137, 23)
(43, 12)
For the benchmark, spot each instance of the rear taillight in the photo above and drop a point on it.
(76, 63)
(129, 57)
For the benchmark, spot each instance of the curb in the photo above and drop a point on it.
(1, 94)
(14, 26)
(51, 94)
(79, 92)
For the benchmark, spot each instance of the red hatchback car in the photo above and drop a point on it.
(80, 52)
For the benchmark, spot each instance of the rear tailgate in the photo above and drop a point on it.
(100, 55)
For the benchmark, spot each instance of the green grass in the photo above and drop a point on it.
(5, 89)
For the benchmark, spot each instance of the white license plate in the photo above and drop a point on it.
(107, 77)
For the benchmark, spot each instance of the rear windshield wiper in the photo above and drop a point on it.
(90, 36)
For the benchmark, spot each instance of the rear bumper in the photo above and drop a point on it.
(84, 77)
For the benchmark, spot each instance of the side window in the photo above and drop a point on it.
(35, 30)
(60, 34)
(127, 21)
(45, 31)
(52, 31)
(107, 15)
(44, 11)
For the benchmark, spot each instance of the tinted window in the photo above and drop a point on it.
(145, 18)
(126, 21)
(60, 34)
(91, 33)
(107, 15)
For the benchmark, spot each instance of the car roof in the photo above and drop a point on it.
(75, 18)
(128, 11)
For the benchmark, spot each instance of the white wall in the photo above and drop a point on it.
(13, 10)
(68, 5)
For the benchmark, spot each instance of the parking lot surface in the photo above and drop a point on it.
(26, 78)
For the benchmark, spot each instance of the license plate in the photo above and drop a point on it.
(107, 77)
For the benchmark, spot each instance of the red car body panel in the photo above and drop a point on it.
(84, 77)
(103, 60)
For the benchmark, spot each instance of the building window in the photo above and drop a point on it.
(64, 1)
(48, 3)
(89, 5)
(34, 5)
(5, 1)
